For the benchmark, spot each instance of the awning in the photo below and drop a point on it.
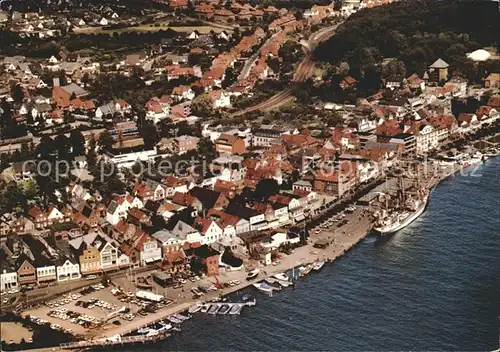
(153, 259)
(300, 217)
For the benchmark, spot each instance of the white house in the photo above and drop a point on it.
(53, 60)
(223, 35)
(275, 241)
(180, 234)
(229, 231)
(109, 255)
(211, 232)
(242, 226)
(115, 16)
(151, 251)
(157, 112)
(366, 125)
(24, 109)
(426, 139)
(46, 273)
(220, 99)
(55, 215)
(366, 171)
(123, 260)
(129, 159)
(281, 214)
(182, 92)
(103, 22)
(257, 222)
(193, 35)
(42, 110)
(8, 281)
(118, 208)
(68, 271)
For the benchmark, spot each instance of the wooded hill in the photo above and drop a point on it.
(417, 32)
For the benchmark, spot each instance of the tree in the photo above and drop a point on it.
(266, 188)
(299, 15)
(62, 145)
(11, 197)
(68, 117)
(30, 189)
(91, 154)
(106, 140)
(202, 106)
(394, 71)
(290, 52)
(77, 142)
(17, 93)
(46, 147)
(206, 149)
(229, 78)
(29, 119)
(150, 134)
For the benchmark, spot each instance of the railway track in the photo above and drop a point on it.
(303, 72)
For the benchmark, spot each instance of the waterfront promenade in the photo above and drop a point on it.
(344, 238)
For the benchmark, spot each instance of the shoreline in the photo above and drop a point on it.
(334, 251)
(354, 233)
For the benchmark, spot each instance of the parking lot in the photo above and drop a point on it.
(81, 311)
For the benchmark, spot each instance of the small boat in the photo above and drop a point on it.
(163, 329)
(281, 277)
(143, 330)
(318, 265)
(263, 287)
(306, 270)
(174, 320)
(214, 308)
(235, 309)
(224, 309)
(205, 308)
(250, 303)
(284, 283)
(252, 274)
(246, 297)
(153, 332)
(272, 282)
(195, 308)
(167, 326)
(181, 317)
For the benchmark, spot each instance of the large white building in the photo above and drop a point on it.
(426, 139)
(151, 252)
(46, 273)
(8, 281)
(68, 271)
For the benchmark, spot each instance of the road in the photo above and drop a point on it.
(304, 70)
(252, 59)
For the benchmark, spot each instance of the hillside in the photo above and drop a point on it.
(417, 32)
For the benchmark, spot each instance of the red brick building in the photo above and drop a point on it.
(230, 144)
(209, 257)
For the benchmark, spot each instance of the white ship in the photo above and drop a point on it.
(407, 211)
(399, 221)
